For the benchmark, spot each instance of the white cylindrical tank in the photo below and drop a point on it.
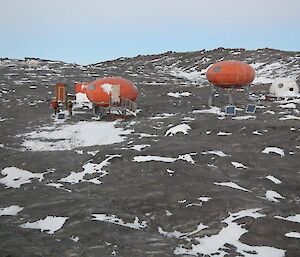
(284, 87)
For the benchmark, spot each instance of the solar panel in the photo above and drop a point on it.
(61, 116)
(230, 110)
(251, 108)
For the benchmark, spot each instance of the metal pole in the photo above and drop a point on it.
(211, 96)
(229, 95)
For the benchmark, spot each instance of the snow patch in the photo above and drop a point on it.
(262, 80)
(273, 196)
(211, 110)
(115, 220)
(194, 76)
(180, 235)
(89, 168)
(136, 147)
(288, 106)
(74, 238)
(58, 186)
(295, 218)
(168, 213)
(245, 117)
(232, 185)
(239, 165)
(273, 179)
(12, 210)
(142, 135)
(171, 172)
(293, 235)
(272, 149)
(215, 152)
(66, 137)
(229, 235)
(50, 224)
(148, 158)
(269, 112)
(93, 153)
(15, 177)
(257, 133)
(187, 157)
(290, 117)
(178, 95)
(221, 133)
(181, 128)
(82, 101)
(202, 200)
(163, 116)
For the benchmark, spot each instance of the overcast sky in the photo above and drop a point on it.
(89, 31)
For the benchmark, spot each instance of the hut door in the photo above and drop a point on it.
(61, 92)
(115, 94)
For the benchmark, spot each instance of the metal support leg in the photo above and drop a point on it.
(96, 109)
(211, 96)
(230, 98)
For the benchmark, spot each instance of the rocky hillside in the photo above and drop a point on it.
(191, 67)
(184, 68)
(179, 179)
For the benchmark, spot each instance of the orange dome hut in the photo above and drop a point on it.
(230, 74)
(102, 92)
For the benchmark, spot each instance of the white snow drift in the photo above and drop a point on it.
(181, 235)
(149, 158)
(295, 218)
(215, 245)
(273, 196)
(89, 168)
(293, 235)
(232, 185)
(273, 149)
(115, 220)
(215, 152)
(181, 128)
(239, 165)
(66, 137)
(178, 94)
(10, 210)
(50, 224)
(15, 177)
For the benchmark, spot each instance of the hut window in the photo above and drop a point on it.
(91, 87)
(217, 69)
(291, 89)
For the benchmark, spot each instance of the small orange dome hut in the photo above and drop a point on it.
(99, 92)
(230, 74)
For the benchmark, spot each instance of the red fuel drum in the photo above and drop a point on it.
(98, 91)
(230, 74)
